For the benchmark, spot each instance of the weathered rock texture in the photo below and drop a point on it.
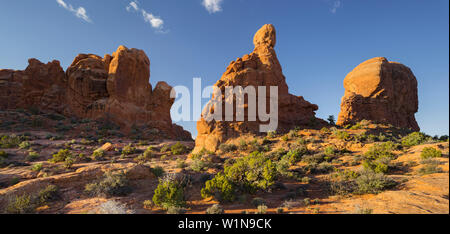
(380, 91)
(260, 68)
(114, 88)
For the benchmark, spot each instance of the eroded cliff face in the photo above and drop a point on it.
(115, 88)
(260, 68)
(380, 91)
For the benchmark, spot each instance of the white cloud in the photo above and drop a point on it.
(212, 6)
(336, 5)
(80, 12)
(154, 21)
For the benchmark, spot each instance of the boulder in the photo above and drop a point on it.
(380, 91)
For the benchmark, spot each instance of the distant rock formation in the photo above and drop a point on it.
(380, 91)
(260, 68)
(115, 88)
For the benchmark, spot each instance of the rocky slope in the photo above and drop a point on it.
(380, 91)
(259, 68)
(115, 88)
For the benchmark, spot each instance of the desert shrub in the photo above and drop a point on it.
(359, 210)
(319, 168)
(225, 148)
(295, 155)
(342, 135)
(158, 171)
(181, 163)
(37, 167)
(315, 158)
(178, 149)
(262, 209)
(330, 150)
(271, 134)
(3, 154)
(112, 184)
(24, 145)
(246, 174)
(49, 193)
(32, 155)
(325, 130)
(220, 188)
(68, 162)
(10, 141)
(128, 150)
(175, 210)
(285, 138)
(198, 165)
(165, 148)
(147, 204)
(430, 152)
(215, 209)
(378, 157)
(371, 182)
(98, 155)
(169, 193)
(61, 156)
(257, 201)
(21, 205)
(415, 138)
(113, 207)
(430, 166)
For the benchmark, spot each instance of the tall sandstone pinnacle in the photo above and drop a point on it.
(114, 88)
(260, 68)
(380, 91)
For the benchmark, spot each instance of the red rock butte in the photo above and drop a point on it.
(260, 68)
(380, 91)
(115, 87)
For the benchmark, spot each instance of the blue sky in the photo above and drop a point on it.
(318, 41)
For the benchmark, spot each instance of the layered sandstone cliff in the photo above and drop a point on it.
(115, 88)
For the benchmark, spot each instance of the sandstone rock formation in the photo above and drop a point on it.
(39, 85)
(115, 88)
(260, 68)
(380, 91)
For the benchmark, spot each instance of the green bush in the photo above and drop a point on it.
(220, 188)
(342, 135)
(329, 150)
(257, 201)
(169, 193)
(224, 148)
(158, 171)
(24, 145)
(246, 174)
(32, 155)
(37, 167)
(21, 205)
(215, 209)
(430, 152)
(128, 150)
(98, 155)
(61, 156)
(178, 149)
(50, 193)
(112, 184)
(415, 138)
(165, 148)
(12, 141)
(3, 154)
(371, 182)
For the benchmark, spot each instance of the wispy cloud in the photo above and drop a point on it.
(212, 6)
(155, 21)
(336, 5)
(79, 12)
